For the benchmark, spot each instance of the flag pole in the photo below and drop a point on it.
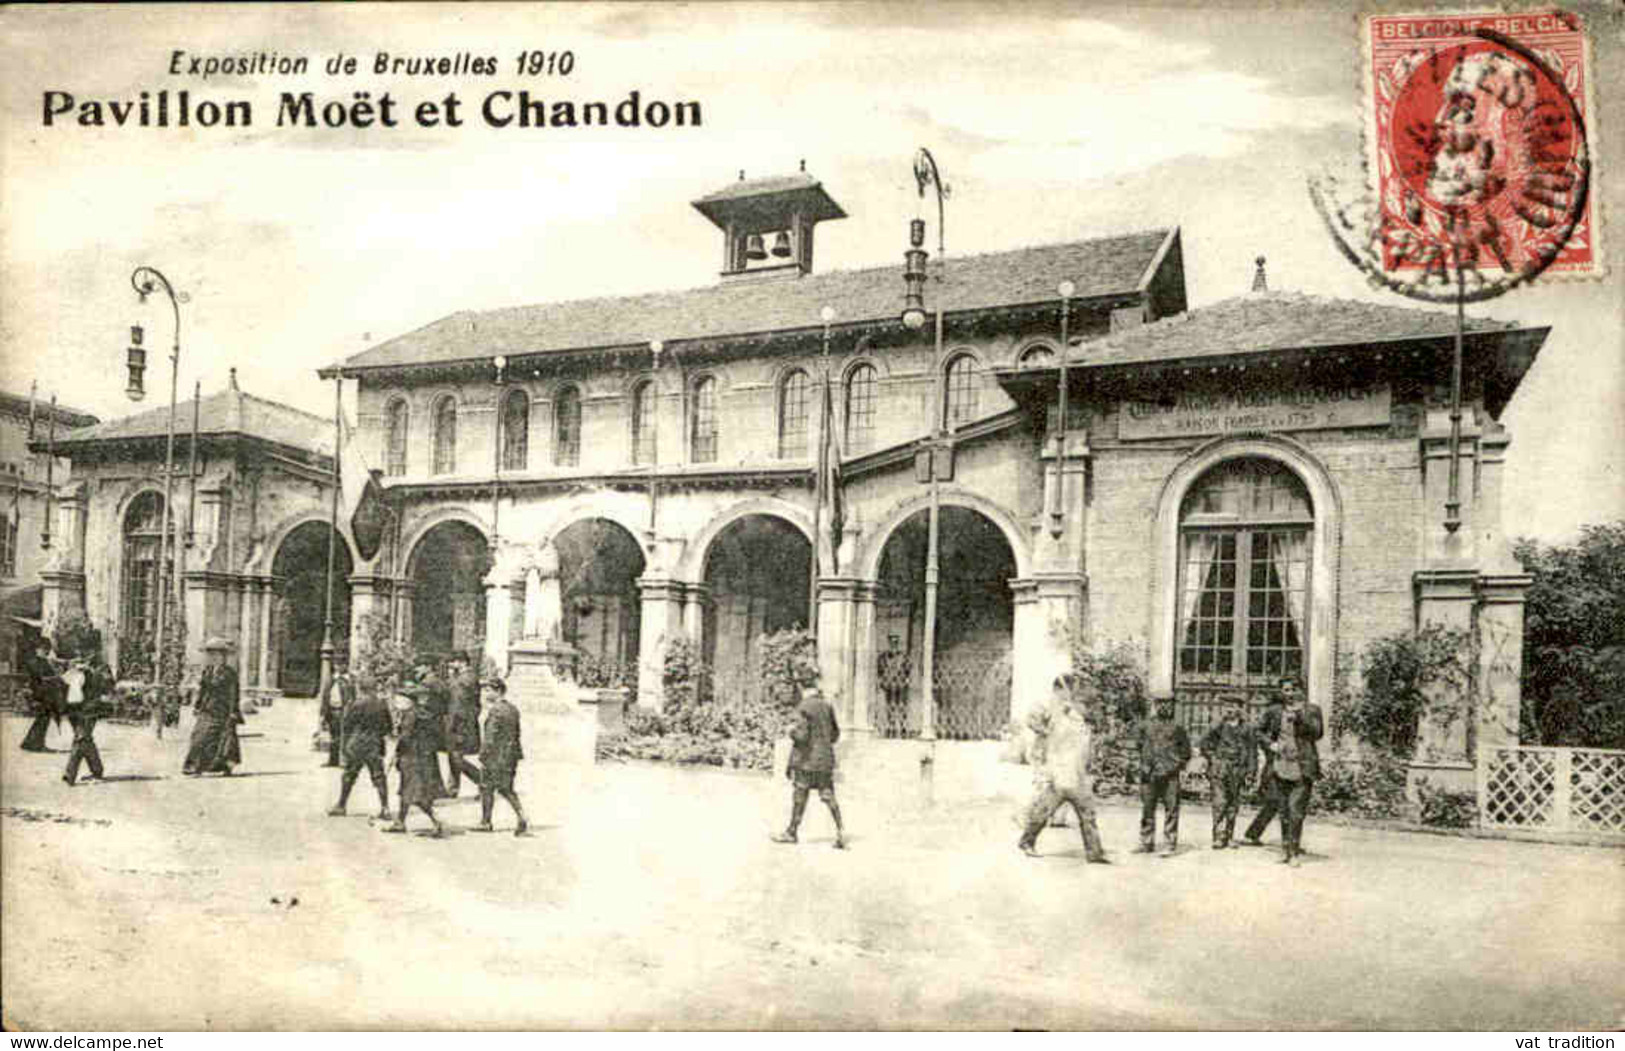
(50, 483)
(191, 467)
(332, 533)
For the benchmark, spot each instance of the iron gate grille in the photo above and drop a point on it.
(972, 693)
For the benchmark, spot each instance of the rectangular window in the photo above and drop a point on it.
(705, 421)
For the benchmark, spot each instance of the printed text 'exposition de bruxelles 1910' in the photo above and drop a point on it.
(497, 109)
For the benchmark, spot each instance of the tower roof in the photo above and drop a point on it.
(754, 205)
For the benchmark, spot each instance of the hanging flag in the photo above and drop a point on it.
(33, 388)
(362, 497)
(831, 507)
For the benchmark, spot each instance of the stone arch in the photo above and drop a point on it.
(628, 510)
(868, 563)
(285, 528)
(1325, 558)
(691, 567)
(298, 630)
(445, 514)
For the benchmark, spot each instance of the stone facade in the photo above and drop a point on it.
(251, 530)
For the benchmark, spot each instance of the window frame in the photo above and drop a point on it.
(968, 392)
(803, 416)
(567, 444)
(507, 435)
(395, 452)
(703, 429)
(443, 429)
(861, 438)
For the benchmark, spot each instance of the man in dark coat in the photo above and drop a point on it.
(1231, 751)
(463, 724)
(437, 703)
(894, 673)
(1288, 732)
(365, 725)
(337, 697)
(417, 758)
(499, 757)
(46, 691)
(1164, 750)
(214, 747)
(85, 687)
(812, 762)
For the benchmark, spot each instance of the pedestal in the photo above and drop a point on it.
(559, 727)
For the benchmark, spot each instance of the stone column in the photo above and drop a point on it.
(1445, 597)
(249, 629)
(1500, 670)
(270, 594)
(698, 598)
(864, 656)
(499, 607)
(1048, 617)
(662, 620)
(63, 578)
(207, 610)
(371, 595)
(405, 591)
(836, 642)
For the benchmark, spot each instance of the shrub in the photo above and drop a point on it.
(788, 662)
(1369, 788)
(1408, 676)
(1443, 808)
(377, 659)
(1116, 678)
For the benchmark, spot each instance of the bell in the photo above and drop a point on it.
(753, 248)
(781, 244)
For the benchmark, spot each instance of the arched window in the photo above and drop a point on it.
(643, 422)
(793, 398)
(515, 431)
(567, 427)
(860, 409)
(396, 420)
(964, 385)
(703, 436)
(8, 545)
(1245, 529)
(445, 435)
(143, 533)
(1037, 357)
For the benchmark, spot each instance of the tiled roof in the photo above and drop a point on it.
(1264, 321)
(230, 411)
(66, 415)
(1099, 267)
(758, 187)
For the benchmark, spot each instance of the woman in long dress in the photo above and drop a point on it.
(417, 757)
(214, 747)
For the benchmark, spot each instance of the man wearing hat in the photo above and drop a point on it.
(366, 724)
(1164, 750)
(214, 747)
(337, 697)
(893, 672)
(46, 690)
(812, 762)
(499, 756)
(1231, 751)
(417, 758)
(1288, 732)
(463, 723)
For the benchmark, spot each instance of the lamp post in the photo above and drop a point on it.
(653, 423)
(926, 173)
(1057, 512)
(146, 280)
(821, 479)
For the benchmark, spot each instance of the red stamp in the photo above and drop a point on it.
(1477, 144)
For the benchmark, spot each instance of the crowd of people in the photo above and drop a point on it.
(1286, 735)
(458, 715)
(428, 714)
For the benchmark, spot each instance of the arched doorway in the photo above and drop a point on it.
(757, 574)
(599, 566)
(975, 622)
(301, 565)
(1245, 547)
(448, 606)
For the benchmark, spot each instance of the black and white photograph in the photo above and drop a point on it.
(813, 517)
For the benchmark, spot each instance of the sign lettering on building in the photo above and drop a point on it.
(1289, 409)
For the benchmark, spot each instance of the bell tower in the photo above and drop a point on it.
(767, 224)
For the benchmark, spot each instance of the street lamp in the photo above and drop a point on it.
(1057, 509)
(926, 173)
(146, 280)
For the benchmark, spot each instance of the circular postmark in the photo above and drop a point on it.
(1483, 172)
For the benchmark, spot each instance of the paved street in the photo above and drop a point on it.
(651, 897)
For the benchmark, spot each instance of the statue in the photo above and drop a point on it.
(544, 605)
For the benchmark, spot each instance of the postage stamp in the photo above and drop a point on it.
(1479, 148)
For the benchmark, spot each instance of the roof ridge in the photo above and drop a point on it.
(282, 405)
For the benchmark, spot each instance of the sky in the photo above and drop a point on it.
(1051, 122)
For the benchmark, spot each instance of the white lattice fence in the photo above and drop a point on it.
(1568, 790)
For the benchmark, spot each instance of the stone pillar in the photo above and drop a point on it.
(63, 593)
(249, 629)
(1443, 549)
(662, 620)
(405, 590)
(864, 656)
(1048, 616)
(207, 611)
(499, 607)
(698, 598)
(371, 595)
(1445, 597)
(270, 595)
(836, 642)
(1500, 670)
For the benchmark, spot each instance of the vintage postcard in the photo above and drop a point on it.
(819, 516)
